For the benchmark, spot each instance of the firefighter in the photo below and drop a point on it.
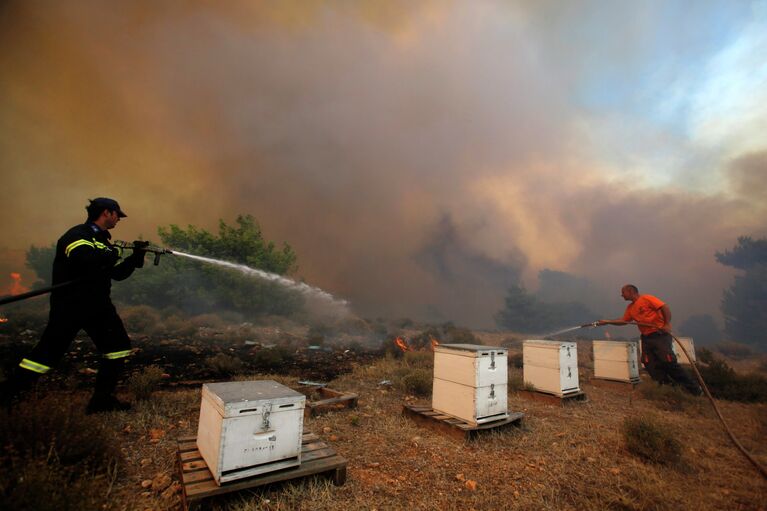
(85, 255)
(657, 356)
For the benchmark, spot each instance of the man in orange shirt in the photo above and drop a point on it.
(654, 317)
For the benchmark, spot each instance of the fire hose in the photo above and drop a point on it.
(157, 251)
(698, 376)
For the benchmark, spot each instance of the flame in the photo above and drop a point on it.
(16, 287)
(401, 344)
(434, 342)
(3, 320)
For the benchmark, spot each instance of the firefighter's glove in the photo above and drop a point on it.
(139, 251)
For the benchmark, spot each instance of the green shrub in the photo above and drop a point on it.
(417, 382)
(651, 440)
(724, 383)
(143, 383)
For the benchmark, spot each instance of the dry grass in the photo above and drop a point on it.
(561, 458)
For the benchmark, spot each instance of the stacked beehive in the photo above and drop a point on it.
(470, 382)
(551, 366)
(689, 346)
(616, 360)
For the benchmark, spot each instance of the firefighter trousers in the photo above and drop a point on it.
(103, 326)
(660, 361)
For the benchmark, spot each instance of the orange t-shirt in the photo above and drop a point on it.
(646, 309)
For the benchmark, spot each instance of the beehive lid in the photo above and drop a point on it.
(231, 398)
(467, 350)
(540, 343)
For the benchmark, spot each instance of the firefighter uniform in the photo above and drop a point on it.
(84, 254)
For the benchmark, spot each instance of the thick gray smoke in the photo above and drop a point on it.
(419, 158)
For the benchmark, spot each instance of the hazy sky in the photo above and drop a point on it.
(419, 156)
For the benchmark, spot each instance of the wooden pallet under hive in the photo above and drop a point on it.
(317, 458)
(457, 428)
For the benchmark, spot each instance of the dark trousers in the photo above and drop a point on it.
(103, 326)
(660, 361)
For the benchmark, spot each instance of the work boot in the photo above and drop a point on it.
(103, 399)
(99, 404)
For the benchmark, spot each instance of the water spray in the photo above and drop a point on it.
(301, 287)
(698, 376)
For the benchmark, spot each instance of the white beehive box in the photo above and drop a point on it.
(616, 360)
(688, 345)
(470, 382)
(551, 366)
(249, 427)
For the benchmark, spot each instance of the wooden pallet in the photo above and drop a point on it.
(197, 481)
(554, 399)
(329, 400)
(457, 428)
(614, 384)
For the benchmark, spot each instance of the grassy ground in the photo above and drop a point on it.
(572, 457)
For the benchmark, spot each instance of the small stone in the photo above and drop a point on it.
(459, 477)
(146, 483)
(615, 471)
(374, 464)
(326, 429)
(146, 461)
(333, 438)
(471, 485)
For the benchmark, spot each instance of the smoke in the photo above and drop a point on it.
(419, 158)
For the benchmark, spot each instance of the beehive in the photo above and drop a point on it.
(249, 427)
(551, 366)
(616, 360)
(470, 382)
(689, 346)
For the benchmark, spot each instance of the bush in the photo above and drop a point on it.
(651, 440)
(516, 360)
(269, 358)
(140, 318)
(515, 380)
(417, 382)
(734, 350)
(724, 383)
(224, 364)
(143, 383)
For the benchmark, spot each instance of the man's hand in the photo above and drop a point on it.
(139, 251)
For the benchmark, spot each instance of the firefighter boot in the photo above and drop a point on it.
(103, 399)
